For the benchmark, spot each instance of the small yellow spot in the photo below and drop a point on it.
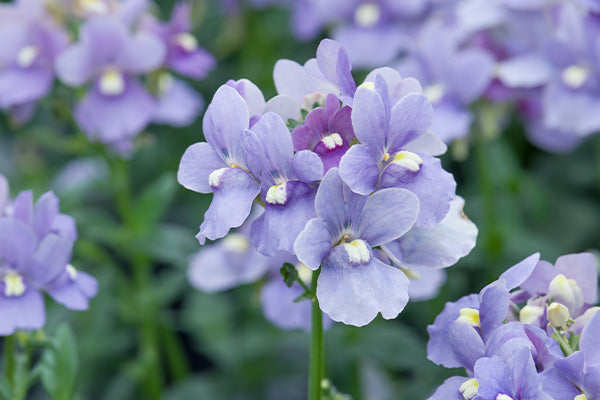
(27, 56)
(386, 156)
(14, 285)
(234, 165)
(357, 251)
(575, 76)
(368, 85)
(469, 389)
(580, 397)
(469, 316)
(367, 15)
(277, 194)
(236, 243)
(112, 82)
(72, 272)
(408, 160)
(187, 41)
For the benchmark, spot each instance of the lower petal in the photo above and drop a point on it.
(231, 203)
(111, 119)
(277, 229)
(355, 294)
(25, 312)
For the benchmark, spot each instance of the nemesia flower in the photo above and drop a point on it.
(219, 166)
(383, 159)
(116, 107)
(354, 286)
(329, 72)
(35, 250)
(31, 41)
(288, 184)
(183, 54)
(326, 131)
(453, 77)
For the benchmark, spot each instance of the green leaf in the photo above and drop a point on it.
(154, 202)
(289, 273)
(5, 389)
(59, 365)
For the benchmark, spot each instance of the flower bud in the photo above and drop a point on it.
(530, 314)
(558, 315)
(567, 292)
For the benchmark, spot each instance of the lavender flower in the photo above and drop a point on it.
(220, 165)
(354, 286)
(384, 160)
(117, 106)
(35, 250)
(31, 41)
(287, 184)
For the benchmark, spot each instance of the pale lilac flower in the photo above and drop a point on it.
(329, 72)
(288, 184)
(354, 286)
(116, 107)
(35, 250)
(219, 166)
(453, 77)
(184, 55)
(30, 42)
(383, 159)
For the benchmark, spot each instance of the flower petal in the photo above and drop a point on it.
(355, 294)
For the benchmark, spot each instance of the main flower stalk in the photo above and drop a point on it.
(317, 359)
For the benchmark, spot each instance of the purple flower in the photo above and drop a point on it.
(220, 165)
(117, 106)
(383, 159)
(35, 250)
(282, 105)
(459, 334)
(31, 41)
(178, 104)
(354, 286)
(577, 376)
(326, 131)
(453, 77)
(330, 72)
(184, 56)
(287, 182)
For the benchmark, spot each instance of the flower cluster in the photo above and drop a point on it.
(540, 55)
(123, 58)
(36, 242)
(346, 178)
(532, 334)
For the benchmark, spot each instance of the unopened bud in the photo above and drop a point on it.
(530, 314)
(566, 291)
(558, 315)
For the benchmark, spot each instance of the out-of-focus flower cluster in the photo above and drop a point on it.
(340, 177)
(532, 334)
(541, 56)
(122, 59)
(36, 243)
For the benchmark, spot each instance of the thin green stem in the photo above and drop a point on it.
(317, 361)
(9, 359)
(562, 341)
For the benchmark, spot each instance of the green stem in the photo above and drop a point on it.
(564, 344)
(9, 359)
(317, 362)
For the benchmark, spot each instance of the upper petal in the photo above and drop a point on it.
(196, 165)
